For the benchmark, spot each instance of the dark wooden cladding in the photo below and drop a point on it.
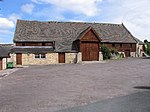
(121, 47)
(35, 44)
(61, 57)
(19, 59)
(89, 46)
(90, 36)
(1, 64)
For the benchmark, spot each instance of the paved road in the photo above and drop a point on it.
(55, 87)
(137, 102)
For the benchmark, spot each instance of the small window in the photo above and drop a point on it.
(23, 44)
(120, 45)
(43, 44)
(37, 55)
(113, 45)
(43, 55)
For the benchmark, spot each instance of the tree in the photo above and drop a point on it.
(145, 41)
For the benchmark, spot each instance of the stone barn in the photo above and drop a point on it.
(52, 42)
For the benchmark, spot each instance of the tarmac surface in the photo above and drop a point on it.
(113, 86)
(137, 102)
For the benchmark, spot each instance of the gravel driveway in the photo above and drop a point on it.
(54, 87)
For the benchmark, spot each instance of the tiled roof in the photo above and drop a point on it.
(32, 49)
(139, 41)
(64, 33)
(4, 52)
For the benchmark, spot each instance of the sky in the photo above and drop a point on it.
(134, 14)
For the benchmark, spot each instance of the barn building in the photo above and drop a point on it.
(51, 42)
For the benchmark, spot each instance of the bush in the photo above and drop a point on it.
(114, 51)
(147, 49)
(121, 55)
(106, 52)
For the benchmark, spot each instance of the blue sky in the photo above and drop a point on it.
(135, 14)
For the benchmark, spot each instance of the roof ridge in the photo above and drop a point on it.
(88, 22)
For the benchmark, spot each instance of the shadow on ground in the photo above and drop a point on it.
(137, 102)
(146, 58)
(142, 87)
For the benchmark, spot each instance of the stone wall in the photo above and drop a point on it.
(29, 59)
(140, 50)
(70, 57)
(4, 62)
(100, 56)
(79, 57)
(122, 53)
(133, 54)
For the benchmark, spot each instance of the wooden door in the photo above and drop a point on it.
(127, 53)
(90, 51)
(61, 57)
(1, 64)
(19, 59)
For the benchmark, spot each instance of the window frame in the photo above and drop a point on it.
(43, 56)
(40, 56)
(36, 56)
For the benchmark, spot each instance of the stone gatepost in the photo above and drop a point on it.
(79, 57)
(100, 56)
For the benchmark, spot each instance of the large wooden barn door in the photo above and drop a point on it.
(19, 59)
(89, 45)
(127, 53)
(1, 64)
(90, 51)
(61, 57)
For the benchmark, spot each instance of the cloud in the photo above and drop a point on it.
(6, 23)
(14, 17)
(36, 1)
(6, 26)
(85, 7)
(134, 14)
(27, 8)
(49, 13)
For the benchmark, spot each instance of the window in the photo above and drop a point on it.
(37, 55)
(43, 56)
(23, 44)
(130, 45)
(40, 56)
(120, 45)
(43, 44)
(113, 45)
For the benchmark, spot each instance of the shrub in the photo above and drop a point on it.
(147, 49)
(121, 55)
(106, 52)
(114, 51)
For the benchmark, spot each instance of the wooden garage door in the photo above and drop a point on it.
(61, 57)
(90, 51)
(1, 64)
(19, 59)
(127, 53)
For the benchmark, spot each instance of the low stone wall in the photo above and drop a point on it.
(29, 59)
(4, 62)
(51, 58)
(100, 56)
(70, 57)
(133, 54)
(122, 53)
